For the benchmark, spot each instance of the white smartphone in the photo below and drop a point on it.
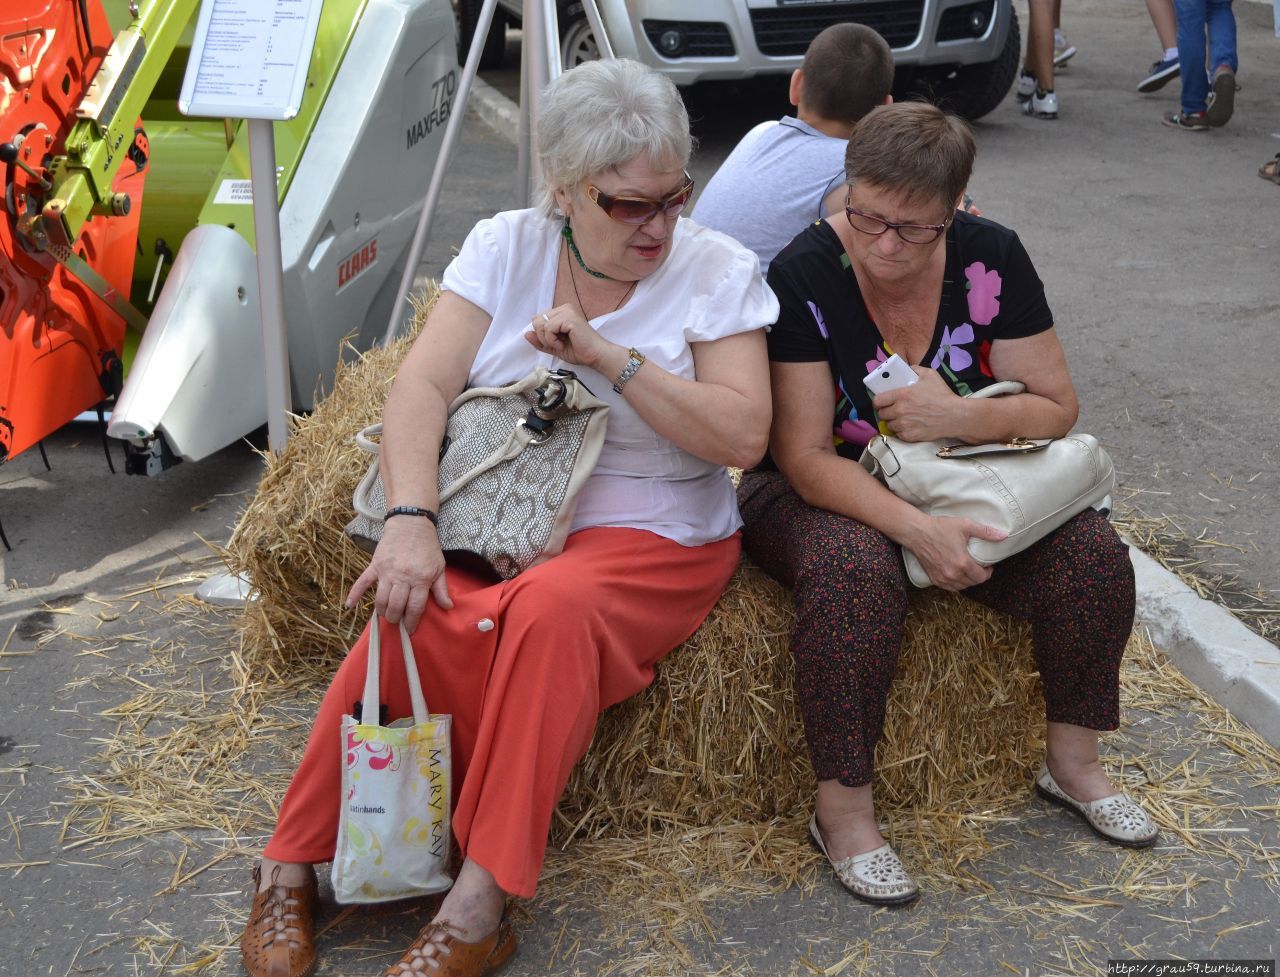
(892, 374)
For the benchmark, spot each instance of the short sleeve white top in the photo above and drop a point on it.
(708, 288)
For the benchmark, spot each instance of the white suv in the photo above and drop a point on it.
(962, 54)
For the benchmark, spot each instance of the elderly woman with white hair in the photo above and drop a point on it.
(664, 321)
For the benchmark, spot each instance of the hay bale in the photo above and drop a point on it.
(289, 540)
(717, 739)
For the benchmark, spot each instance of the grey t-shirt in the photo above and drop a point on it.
(771, 187)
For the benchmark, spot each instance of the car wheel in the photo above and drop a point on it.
(577, 43)
(973, 90)
(495, 42)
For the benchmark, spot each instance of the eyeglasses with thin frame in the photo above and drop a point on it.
(641, 210)
(875, 226)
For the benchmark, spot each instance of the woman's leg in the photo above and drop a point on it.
(850, 594)
(1039, 57)
(575, 635)
(1076, 588)
(1165, 22)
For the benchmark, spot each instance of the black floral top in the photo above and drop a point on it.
(990, 291)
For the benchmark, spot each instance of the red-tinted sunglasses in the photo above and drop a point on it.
(641, 210)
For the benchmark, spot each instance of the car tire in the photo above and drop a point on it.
(577, 42)
(973, 90)
(495, 42)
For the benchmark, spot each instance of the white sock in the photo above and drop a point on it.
(1171, 54)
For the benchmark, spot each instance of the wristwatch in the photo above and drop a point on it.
(635, 360)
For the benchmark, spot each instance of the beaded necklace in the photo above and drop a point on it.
(567, 232)
(574, 282)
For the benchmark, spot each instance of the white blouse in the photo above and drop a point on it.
(709, 287)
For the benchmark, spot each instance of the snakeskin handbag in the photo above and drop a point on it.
(1026, 487)
(512, 463)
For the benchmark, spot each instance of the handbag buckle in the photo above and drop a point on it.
(539, 427)
(1013, 444)
(551, 395)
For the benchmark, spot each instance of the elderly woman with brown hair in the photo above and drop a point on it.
(956, 296)
(664, 321)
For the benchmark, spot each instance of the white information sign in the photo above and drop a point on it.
(249, 58)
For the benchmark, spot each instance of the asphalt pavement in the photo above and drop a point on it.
(1159, 253)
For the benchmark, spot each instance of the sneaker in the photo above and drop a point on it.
(1186, 121)
(1222, 99)
(1162, 72)
(1042, 105)
(1025, 88)
(1062, 50)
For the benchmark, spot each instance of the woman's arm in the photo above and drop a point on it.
(801, 446)
(408, 565)
(929, 410)
(722, 416)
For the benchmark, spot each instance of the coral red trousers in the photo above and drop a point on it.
(524, 666)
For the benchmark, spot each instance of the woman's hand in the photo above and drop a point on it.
(942, 549)
(567, 336)
(925, 411)
(408, 568)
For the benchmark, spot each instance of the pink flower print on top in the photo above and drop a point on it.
(857, 432)
(984, 293)
(880, 358)
(950, 350)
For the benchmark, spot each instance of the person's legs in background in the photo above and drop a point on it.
(1223, 61)
(1041, 101)
(1166, 68)
(1063, 50)
(1191, 53)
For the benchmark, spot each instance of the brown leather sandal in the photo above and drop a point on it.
(279, 938)
(1270, 170)
(453, 957)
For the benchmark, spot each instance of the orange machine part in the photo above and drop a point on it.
(60, 344)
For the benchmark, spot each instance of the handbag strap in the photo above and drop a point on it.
(372, 676)
(1001, 388)
(879, 453)
(520, 438)
(365, 438)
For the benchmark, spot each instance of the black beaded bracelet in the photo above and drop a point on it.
(412, 510)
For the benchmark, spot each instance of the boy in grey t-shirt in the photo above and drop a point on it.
(784, 175)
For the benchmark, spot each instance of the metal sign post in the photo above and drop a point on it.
(249, 60)
(539, 64)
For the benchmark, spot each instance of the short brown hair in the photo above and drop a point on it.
(912, 148)
(848, 71)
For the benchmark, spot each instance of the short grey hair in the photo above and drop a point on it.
(602, 114)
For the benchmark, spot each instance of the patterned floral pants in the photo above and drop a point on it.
(1075, 587)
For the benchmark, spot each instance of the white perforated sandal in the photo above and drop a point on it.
(875, 876)
(1117, 819)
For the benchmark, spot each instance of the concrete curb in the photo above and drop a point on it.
(1211, 647)
(495, 109)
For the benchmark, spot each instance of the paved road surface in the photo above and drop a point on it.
(1159, 251)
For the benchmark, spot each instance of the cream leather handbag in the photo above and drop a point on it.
(1028, 488)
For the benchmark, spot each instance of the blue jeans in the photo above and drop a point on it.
(1194, 16)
